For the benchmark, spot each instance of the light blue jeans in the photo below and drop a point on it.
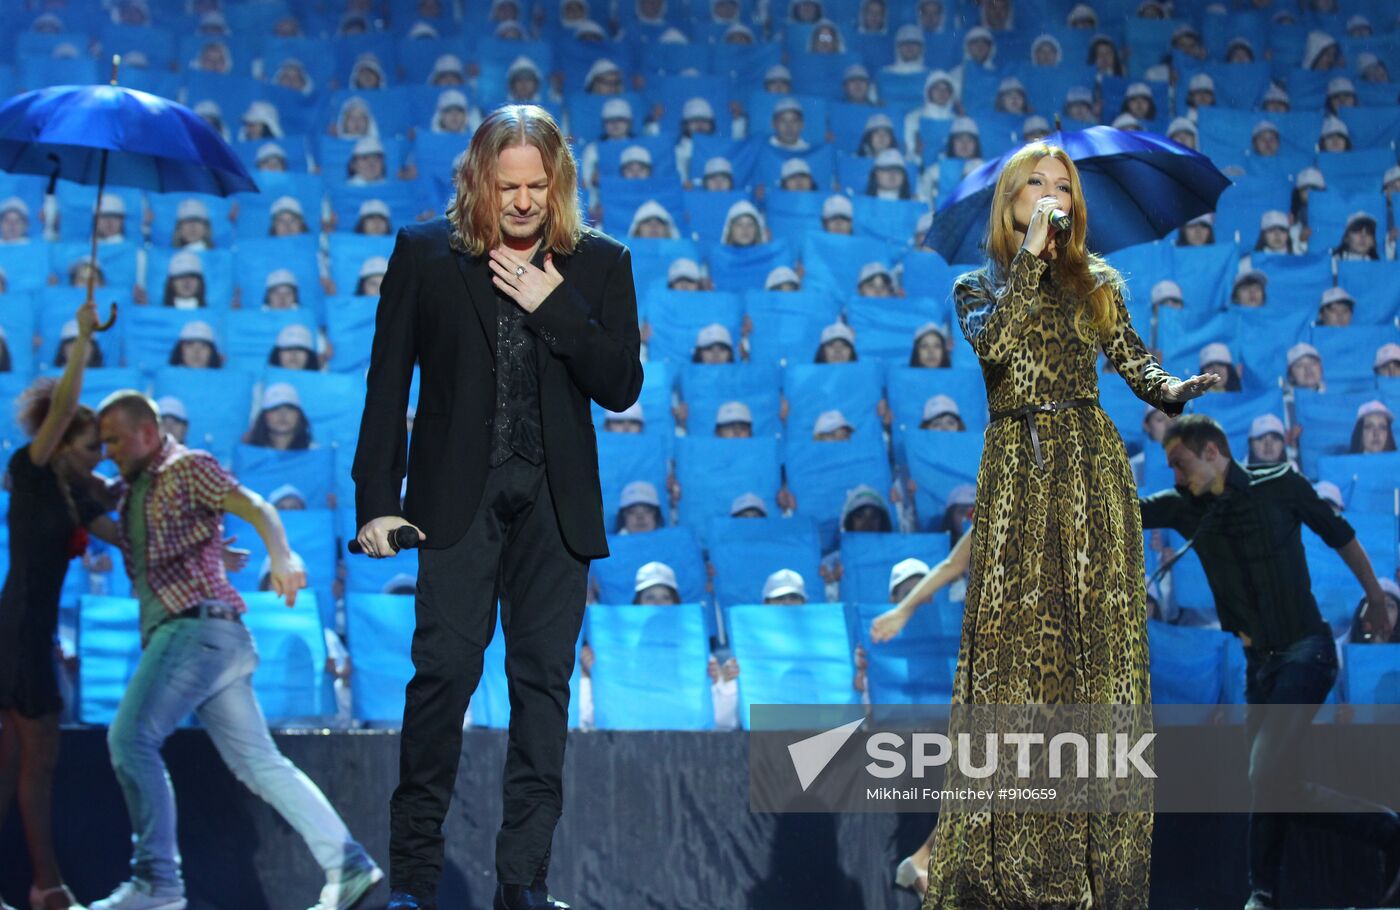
(206, 666)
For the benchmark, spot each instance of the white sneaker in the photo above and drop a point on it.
(138, 895)
(348, 884)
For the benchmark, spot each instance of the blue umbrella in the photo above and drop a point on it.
(1138, 187)
(96, 134)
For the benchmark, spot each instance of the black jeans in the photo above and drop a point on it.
(1301, 674)
(513, 549)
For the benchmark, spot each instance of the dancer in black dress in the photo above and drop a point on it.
(54, 500)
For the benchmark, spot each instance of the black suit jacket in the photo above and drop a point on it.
(437, 308)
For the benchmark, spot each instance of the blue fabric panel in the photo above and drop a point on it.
(793, 215)
(153, 333)
(787, 326)
(615, 577)
(350, 328)
(890, 220)
(1372, 674)
(938, 462)
(854, 389)
(735, 268)
(348, 254)
(1368, 485)
(885, 327)
(821, 474)
(706, 212)
(263, 470)
(1329, 418)
(333, 403)
(1376, 285)
(791, 655)
(833, 261)
(218, 276)
(713, 472)
(252, 334)
(254, 220)
(1187, 664)
(676, 317)
(745, 551)
(255, 260)
(218, 402)
(704, 387)
(116, 261)
(866, 560)
(623, 458)
(649, 668)
(1345, 350)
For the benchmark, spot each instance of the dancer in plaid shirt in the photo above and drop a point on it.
(198, 656)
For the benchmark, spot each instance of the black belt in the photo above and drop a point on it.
(208, 611)
(1029, 411)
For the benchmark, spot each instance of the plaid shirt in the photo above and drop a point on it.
(184, 528)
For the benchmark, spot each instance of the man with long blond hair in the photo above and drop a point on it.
(1055, 606)
(517, 317)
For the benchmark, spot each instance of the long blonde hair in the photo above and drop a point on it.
(1084, 275)
(474, 211)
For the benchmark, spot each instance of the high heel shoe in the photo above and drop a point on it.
(907, 875)
(39, 900)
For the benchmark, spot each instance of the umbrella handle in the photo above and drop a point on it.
(111, 320)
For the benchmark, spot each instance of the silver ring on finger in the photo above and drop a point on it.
(519, 270)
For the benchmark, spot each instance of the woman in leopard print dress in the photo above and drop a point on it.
(1055, 609)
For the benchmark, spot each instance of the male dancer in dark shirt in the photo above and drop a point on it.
(1245, 525)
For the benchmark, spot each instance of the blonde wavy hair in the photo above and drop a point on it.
(474, 212)
(1084, 275)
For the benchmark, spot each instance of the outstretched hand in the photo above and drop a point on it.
(1181, 390)
(520, 280)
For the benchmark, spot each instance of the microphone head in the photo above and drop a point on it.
(406, 537)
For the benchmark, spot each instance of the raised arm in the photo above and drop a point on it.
(64, 403)
(995, 323)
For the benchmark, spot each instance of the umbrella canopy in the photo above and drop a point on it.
(1138, 187)
(138, 139)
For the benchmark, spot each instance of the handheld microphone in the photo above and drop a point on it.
(1060, 221)
(404, 537)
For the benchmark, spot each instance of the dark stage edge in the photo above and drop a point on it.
(651, 820)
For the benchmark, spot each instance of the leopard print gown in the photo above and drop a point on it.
(1055, 605)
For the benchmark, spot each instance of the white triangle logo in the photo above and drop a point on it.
(810, 756)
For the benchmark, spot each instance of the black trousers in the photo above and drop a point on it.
(513, 549)
(1300, 676)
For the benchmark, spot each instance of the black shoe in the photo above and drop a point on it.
(526, 897)
(403, 900)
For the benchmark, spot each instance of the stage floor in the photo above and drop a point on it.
(651, 820)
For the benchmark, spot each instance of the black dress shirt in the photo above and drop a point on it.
(516, 428)
(1250, 543)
